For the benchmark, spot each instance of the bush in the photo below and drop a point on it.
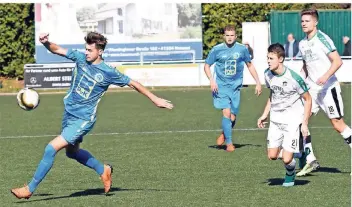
(17, 38)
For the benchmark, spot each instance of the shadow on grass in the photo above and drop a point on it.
(279, 181)
(88, 192)
(223, 147)
(326, 170)
(329, 170)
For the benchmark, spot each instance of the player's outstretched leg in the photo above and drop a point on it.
(43, 168)
(85, 158)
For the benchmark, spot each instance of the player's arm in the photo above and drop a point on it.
(261, 121)
(210, 60)
(334, 57)
(208, 72)
(213, 85)
(336, 63)
(304, 71)
(307, 106)
(252, 70)
(307, 111)
(52, 47)
(159, 102)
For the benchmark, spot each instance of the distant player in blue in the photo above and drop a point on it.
(229, 59)
(90, 80)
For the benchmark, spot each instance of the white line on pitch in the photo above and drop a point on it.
(148, 132)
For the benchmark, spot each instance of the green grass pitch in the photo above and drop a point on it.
(168, 158)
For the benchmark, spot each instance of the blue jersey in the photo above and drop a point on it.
(89, 84)
(229, 63)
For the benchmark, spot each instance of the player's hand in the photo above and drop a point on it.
(304, 130)
(213, 86)
(163, 103)
(322, 80)
(258, 89)
(44, 37)
(262, 122)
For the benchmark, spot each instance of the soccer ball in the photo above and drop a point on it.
(28, 99)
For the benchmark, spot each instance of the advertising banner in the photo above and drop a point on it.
(135, 31)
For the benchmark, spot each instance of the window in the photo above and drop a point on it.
(120, 23)
(119, 11)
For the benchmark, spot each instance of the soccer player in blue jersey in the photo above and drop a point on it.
(90, 80)
(229, 59)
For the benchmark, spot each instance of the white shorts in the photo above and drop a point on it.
(287, 136)
(329, 100)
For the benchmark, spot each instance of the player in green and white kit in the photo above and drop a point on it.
(288, 113)
(320, 63)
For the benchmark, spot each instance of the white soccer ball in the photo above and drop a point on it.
(28, 99)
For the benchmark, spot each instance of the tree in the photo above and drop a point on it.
(17, 38)
(85, 13)
(189, 15)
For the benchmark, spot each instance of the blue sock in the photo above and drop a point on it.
(226, 127)
(233, 123)
(85, 158)
(43, 168)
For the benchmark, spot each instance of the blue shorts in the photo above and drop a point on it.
(227, 98)
(73, 128)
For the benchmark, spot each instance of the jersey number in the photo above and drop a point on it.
(331, 109)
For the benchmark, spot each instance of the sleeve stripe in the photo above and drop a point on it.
(299, 80)
(325, 42)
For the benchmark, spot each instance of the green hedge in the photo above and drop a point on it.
(16, 39)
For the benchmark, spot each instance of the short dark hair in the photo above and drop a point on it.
(312, 12)
(278, 49)
(229, 27)
(99, 40)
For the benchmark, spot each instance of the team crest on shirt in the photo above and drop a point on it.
(99, 77)
(236, 55)
(284, 83)
(310, 43)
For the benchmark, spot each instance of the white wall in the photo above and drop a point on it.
(164, 75)
(344, 74)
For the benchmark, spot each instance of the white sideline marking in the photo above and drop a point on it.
(148, 132)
